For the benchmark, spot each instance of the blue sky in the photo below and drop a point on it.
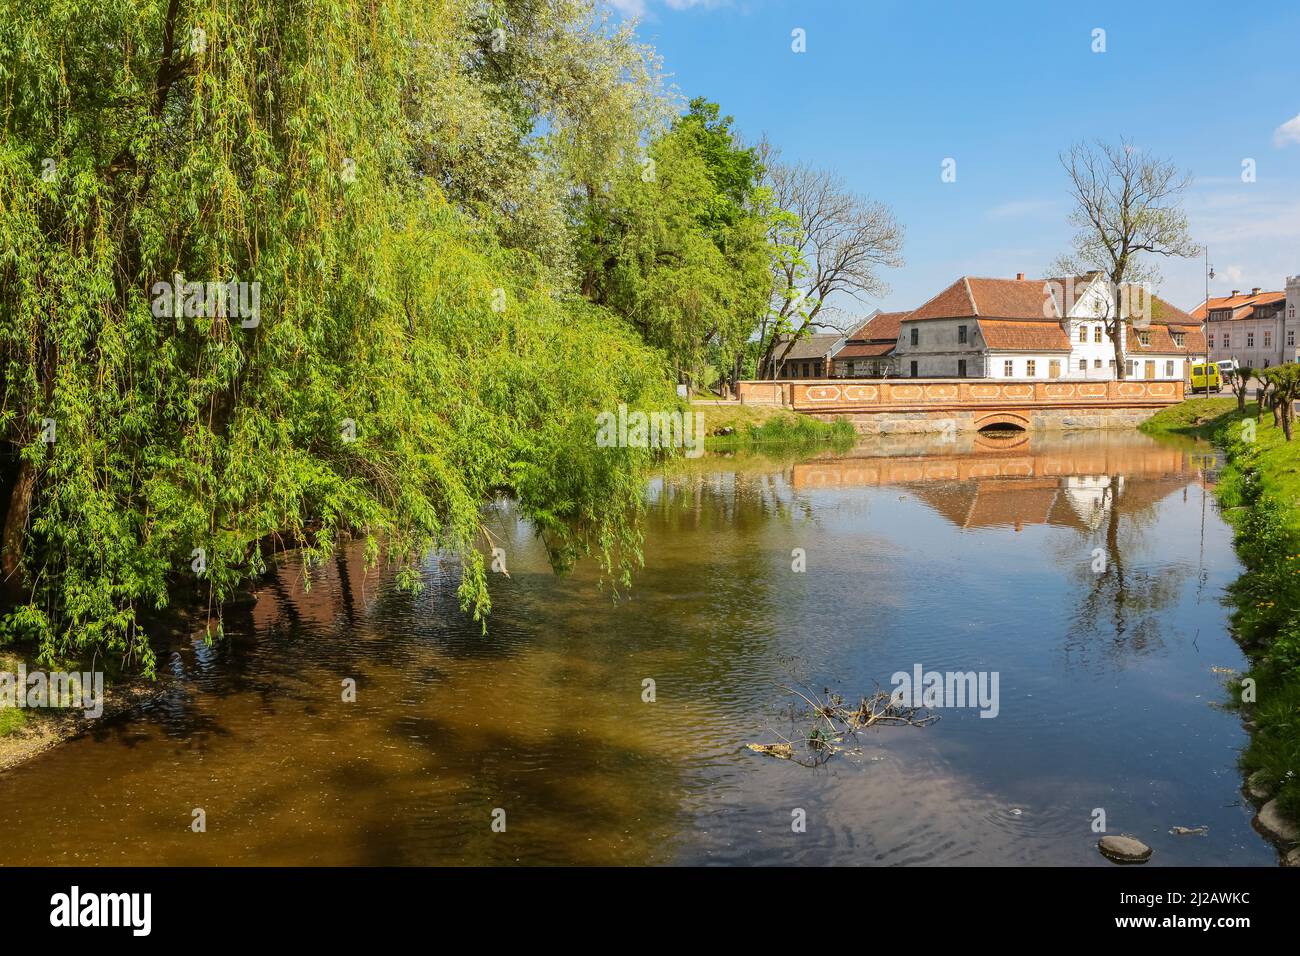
(888, 89)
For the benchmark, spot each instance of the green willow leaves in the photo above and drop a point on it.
(344, 156)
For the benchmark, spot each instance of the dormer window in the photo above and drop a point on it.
(1179, 338)
(1144, 338)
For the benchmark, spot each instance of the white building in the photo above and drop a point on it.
(1258, 329)
(1042, 328)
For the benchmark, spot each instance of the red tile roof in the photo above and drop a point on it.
(1022, 336)
(1162, 341)
(881, 328)
(865, 350)
(1242, 306)
(1020, 299)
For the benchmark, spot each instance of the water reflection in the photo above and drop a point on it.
(970, 555)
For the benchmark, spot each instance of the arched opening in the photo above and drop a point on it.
(1004, 428)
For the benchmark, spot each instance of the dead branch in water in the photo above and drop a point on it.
(832, 721)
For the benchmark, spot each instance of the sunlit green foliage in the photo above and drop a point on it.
(281, 143)
(679, 247)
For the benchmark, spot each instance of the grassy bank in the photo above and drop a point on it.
(1259, 489)
(732, 427)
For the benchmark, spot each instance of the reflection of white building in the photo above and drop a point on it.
(1092, 497)
(1043, 329)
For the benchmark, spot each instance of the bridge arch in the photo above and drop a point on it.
(1001, 420)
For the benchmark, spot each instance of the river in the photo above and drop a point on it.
(972, 555)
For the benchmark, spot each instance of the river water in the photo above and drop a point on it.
(974, 555)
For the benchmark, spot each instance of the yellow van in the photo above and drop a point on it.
(1202, 382)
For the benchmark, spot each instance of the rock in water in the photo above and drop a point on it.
(1124, 849)
(1257, 787)
(1273, 825)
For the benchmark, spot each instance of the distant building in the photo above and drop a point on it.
(1043, 329)
(1258, 329)
(809, 357)
(869, 352)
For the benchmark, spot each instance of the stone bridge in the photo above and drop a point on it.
(940, 405)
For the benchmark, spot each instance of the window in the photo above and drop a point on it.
(916, 337)
(1096, 334)
(1290, 312)
(961, 335)
(961, 363)
(1169, 369)
(1144, 338)
(1096, 363)
(1030, 368)
(1083, 365)
(1009, 368)
(1211, 340)
(1227, 340)
(1083, 333)
(1128, 368)
(1112, 365)
(1179, 337)
(1268, 340)
(1250, 340)
(1290, 336)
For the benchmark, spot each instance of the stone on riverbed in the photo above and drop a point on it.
(1273, 825)
(1124, 849)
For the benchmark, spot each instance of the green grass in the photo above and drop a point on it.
(1260, 490)
(12, 720)
(1196, 417)
(768, 425)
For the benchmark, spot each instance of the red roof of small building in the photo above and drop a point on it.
(880, 328)
(865, 350)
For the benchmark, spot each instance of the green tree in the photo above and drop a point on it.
(679, 244)
(402, 367)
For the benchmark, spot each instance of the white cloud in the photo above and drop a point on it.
(1288, 132)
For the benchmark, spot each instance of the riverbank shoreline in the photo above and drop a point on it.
(26, 733)
(1258, 489)
(731, 426)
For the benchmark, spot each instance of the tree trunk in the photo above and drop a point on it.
(15, 529)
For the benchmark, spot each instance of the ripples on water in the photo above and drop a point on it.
(968, 556)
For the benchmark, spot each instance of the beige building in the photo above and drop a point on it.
(1257, 329)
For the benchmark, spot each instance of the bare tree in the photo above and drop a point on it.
(832, 243)
(1128, 207)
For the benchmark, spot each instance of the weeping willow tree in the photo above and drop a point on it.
(400, 367)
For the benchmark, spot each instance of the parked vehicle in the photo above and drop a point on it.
(1228, 369)
(1206, 378)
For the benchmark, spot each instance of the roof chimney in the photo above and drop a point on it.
(1236, 292)
(1020, 277)
(1255, 291)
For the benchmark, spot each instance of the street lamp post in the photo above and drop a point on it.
(1205, 323)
